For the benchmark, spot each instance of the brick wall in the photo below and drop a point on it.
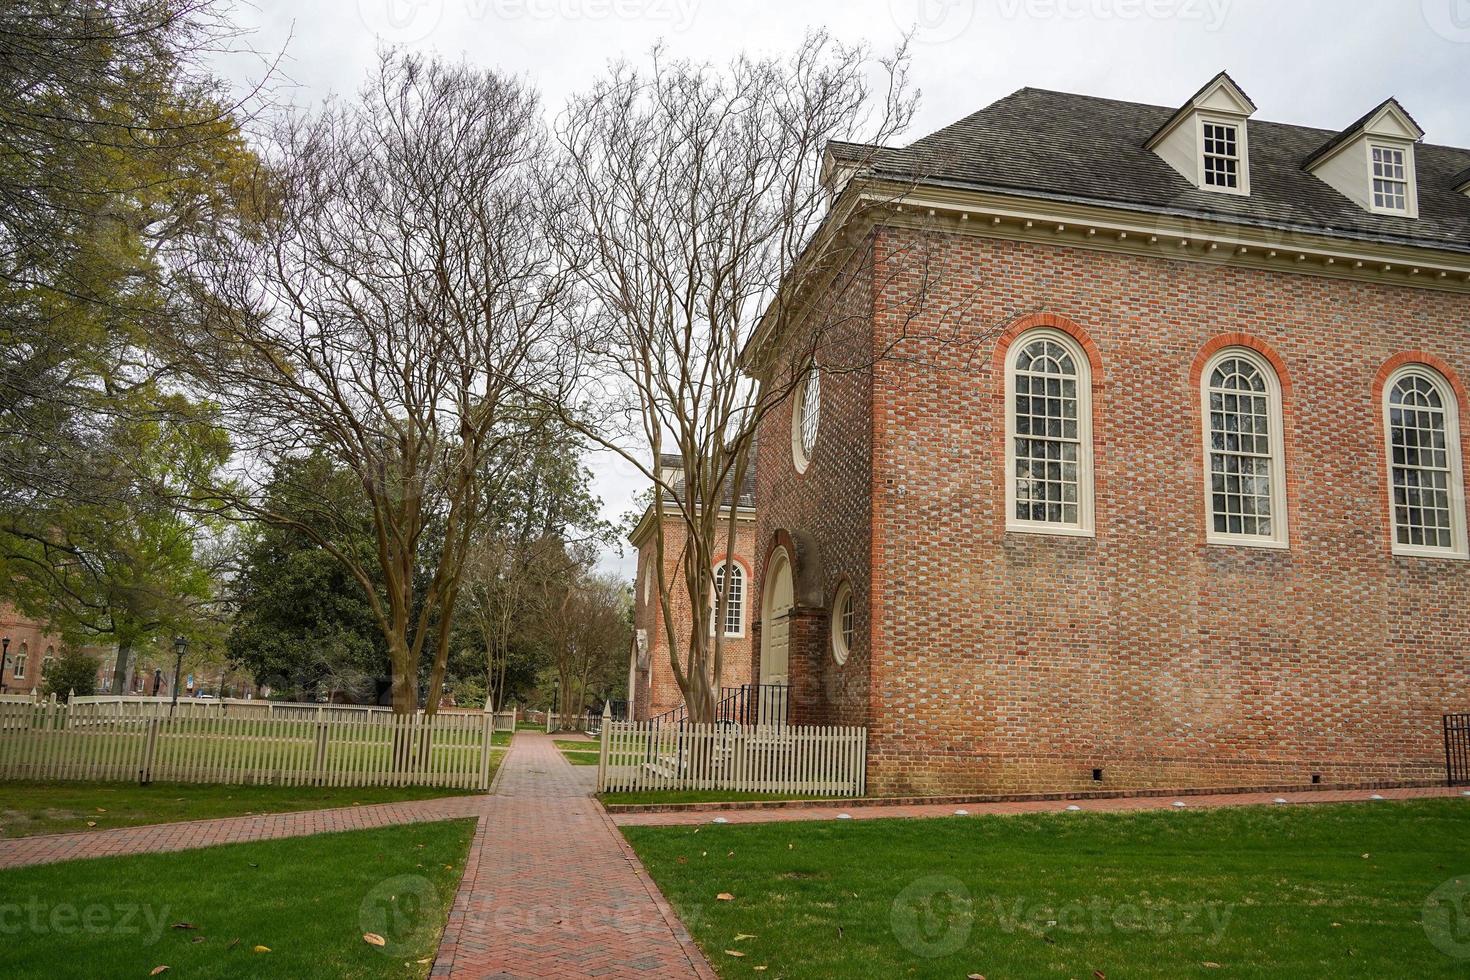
(830, 505)
(657, 690)
(28, 640)
(1012, 662)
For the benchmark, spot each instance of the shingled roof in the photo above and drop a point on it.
(747, 487)
(1086, 150)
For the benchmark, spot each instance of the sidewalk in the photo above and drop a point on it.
(1111, 804)
(552, 890)
(157, 837)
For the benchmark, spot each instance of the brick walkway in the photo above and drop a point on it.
(551, 889)
(153, 838)
(873, 812)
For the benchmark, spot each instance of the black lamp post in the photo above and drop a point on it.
(4, 657)
(181, 646)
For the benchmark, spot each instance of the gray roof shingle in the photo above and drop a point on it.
(747, 487)
(1055, 145)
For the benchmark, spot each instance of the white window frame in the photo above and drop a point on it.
(841, 648)
(1242, 154)
(1411, 195)
(719, 570)
(1084, 525)
(801, 455)
(18, 662)
(1458, 548)
(1280, 525)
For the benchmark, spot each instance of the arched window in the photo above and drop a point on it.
(1245, 475)
(842, 624)
(1048, 435)
(1426, 488)
(735, 603)
(806, 418)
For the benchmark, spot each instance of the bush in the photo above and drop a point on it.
(72, 671)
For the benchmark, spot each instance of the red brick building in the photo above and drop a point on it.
(29, 648)
(652, 689)
(1173, 495)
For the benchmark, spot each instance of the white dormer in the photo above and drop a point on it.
(1206, 140)
(1372, 161)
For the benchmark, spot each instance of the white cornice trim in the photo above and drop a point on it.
(1178, 237)
(641, 530)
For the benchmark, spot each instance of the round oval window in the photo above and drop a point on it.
(806, 418)
(842, 624)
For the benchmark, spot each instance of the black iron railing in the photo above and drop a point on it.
(1457, 749)
(747, 705)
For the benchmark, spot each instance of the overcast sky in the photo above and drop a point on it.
(1313, 63)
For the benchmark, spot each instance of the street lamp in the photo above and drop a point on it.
(181, 646)
(4, 656)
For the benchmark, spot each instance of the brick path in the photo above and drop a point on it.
(153, 838)
(872, 812)
(551, 889)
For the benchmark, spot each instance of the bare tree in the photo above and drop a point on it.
(584, 623)
(541, 500)
(394, 311)
(723, 247)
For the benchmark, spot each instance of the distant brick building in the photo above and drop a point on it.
(30, 650)
(1183, 503)
(652, 689)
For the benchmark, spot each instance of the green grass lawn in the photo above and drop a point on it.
(1299, 891)
(577, 744)
(502, 739)
(309, 900)
(656, 796)
(30, 808)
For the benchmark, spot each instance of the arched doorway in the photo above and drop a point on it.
(776, 607)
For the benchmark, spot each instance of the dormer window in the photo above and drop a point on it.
(1372, 161)
(1390, 179)
(1206, 139)
(1221, 155)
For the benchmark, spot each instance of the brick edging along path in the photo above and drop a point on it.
(1115, 804)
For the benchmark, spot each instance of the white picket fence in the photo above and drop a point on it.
(50, 741)
(789, 759)
(118, 706)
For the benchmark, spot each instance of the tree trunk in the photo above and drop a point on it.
(405, 706)
(120, 669)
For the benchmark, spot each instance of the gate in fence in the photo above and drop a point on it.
(1457, 749)
(54, 741)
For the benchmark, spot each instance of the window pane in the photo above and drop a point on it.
(1046, 407)
(1419, 454)
(1240, 449)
